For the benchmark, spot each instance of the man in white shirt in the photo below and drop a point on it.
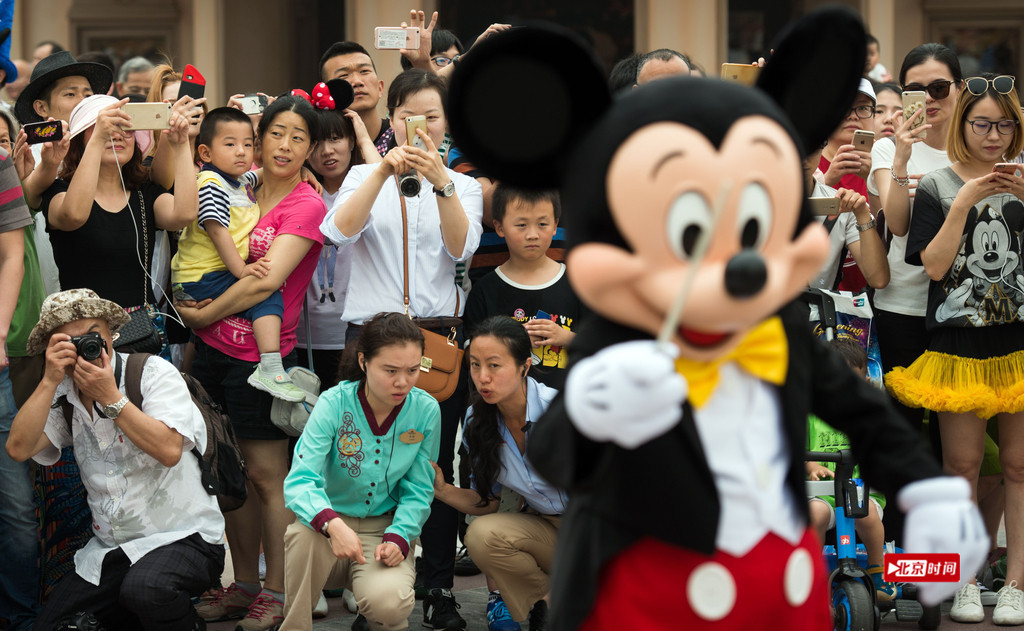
(157, 535)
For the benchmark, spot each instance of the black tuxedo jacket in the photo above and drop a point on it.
(664, 488)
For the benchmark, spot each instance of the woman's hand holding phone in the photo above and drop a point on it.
(192, 110)
(110, 123)
(1010, 183)
(179, 131)
(427, 161)
(853, 202)
(24, 161)
(906, 135)
(977, 189)
(847, 160)
(394, 162)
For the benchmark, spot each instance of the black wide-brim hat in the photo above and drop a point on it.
(48, 71)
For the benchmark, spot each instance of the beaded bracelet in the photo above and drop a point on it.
(901, 181)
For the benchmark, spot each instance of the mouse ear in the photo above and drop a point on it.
(341, 92)
(815, 70)
(520, 100)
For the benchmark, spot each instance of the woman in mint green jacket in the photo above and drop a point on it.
(361, 481)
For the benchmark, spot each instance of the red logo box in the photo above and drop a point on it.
(922, 568)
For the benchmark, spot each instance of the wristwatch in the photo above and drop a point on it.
(447, 190)
(114, 409)
(864, 227)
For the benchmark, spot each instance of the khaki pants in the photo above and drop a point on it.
(516, 550)
(384, 594)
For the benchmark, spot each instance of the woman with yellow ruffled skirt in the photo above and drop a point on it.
(966, 231)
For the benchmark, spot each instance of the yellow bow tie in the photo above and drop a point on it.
(763, 353)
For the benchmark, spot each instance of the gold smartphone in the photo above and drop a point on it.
(913, 101)
(863, 139)
(148, 115)
(824, 205)
(740, 73)
(412, 123)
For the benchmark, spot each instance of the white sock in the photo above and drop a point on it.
(270, 363)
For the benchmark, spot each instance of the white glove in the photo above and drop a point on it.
(627, 394)
(941, 517)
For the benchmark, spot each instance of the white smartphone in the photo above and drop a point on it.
(396, 37)
(824, 205)
(913, 101)
(253, 104)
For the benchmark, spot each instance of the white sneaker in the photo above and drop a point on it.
(1010, 607)
(967, 605)
(320, 611)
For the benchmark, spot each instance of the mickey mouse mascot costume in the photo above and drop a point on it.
(685, 207)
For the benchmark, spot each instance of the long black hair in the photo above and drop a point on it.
(383, 329)
(942, 54)
(483, 436)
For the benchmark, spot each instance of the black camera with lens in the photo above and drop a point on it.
(409, 183)
(80, 621)
(89, 346)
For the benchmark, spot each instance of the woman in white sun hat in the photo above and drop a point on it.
(102, 211)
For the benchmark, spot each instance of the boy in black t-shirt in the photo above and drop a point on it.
(530, 286)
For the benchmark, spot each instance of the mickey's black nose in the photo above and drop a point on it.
(745, 274)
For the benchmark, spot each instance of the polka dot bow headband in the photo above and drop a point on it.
(335, 94)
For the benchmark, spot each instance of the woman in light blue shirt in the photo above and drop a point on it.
(361, 481)
(515, 549)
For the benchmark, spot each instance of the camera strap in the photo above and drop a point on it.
(405, 255)
(117, 369)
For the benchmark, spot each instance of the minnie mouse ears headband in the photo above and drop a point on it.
(812, 77)
(335, 94)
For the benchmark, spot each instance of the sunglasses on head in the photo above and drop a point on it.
(936, 89)
(1003, 84)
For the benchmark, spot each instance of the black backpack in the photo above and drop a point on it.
(223, 468)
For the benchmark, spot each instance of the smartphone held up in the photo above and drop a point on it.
(45, 131)
(912, 102)
(253, 104)
(396, 38)
(741, 73)
(155, 116)
(824, 206)
(863, 140)
(409, 182)
(193, 83)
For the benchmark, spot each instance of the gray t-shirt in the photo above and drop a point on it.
(842, 233)
(985, 284)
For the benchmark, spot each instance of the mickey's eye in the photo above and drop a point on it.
(689, 219)
(754, 217)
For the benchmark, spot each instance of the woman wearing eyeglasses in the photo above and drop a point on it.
(844, 166)
(966, 232)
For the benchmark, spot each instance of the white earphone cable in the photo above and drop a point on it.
(149, 279)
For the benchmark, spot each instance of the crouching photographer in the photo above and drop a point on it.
(157, 535)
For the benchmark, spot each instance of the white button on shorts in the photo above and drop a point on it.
(711, 591)
(798, 578)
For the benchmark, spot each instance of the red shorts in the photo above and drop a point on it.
(655, 585)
